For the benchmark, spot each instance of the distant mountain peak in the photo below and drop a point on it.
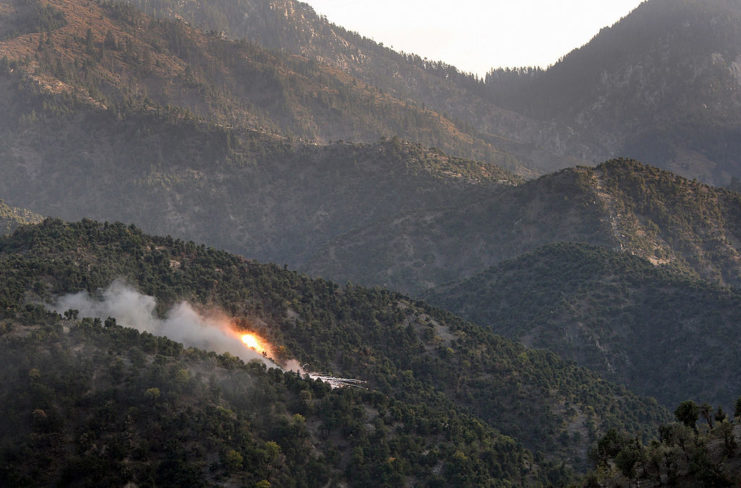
(661, 85)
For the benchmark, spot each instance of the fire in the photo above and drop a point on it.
(253, 342)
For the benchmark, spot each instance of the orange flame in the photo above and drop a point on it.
(254, 342)
(250, 340)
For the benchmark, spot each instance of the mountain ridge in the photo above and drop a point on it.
(661, 85)
(621, 204)
(294, 27)
(629, 92)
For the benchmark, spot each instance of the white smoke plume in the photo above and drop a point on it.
(181, 324)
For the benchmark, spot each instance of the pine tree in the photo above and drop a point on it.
(688, 412)
(110, 41)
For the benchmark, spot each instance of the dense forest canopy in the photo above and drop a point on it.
(434, 359)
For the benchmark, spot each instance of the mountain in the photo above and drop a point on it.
(621, 204)
(85, 404)
(403, 349)
(12, 217)
(152, 128)
(112, 58)
(656, 331)
(112, 114)
(293, 27)
(661, 85)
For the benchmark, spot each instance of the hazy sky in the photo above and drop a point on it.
(475, 35)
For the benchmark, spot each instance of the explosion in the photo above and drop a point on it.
(253, 342)
(184, 323)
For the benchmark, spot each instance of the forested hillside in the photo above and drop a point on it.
(96, 131)
(84, 404)
(621, 204)
(400, 347)
(659, 332)
(259, 128)
(136, 128)
(244, 191)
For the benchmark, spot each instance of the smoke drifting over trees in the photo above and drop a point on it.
(182, 323)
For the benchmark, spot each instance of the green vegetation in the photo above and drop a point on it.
(660, 332)
(111, 114)
(12, 217)
(403, 349)
(85, 404)
(31, 16)
(619, 204)
(683, 456)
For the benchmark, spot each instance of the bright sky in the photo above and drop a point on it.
(476, 35)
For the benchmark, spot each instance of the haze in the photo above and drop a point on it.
(476, 35)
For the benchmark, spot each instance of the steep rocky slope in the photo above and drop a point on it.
(150, 124)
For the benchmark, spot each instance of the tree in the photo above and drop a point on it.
(89, 45)
(688, 412)
(609, 446)
(737, 412)
(629, 456)
(706, 410)
(71, 314)
(720, 415)
(110, 42)
(234, 460)
(729, 439)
